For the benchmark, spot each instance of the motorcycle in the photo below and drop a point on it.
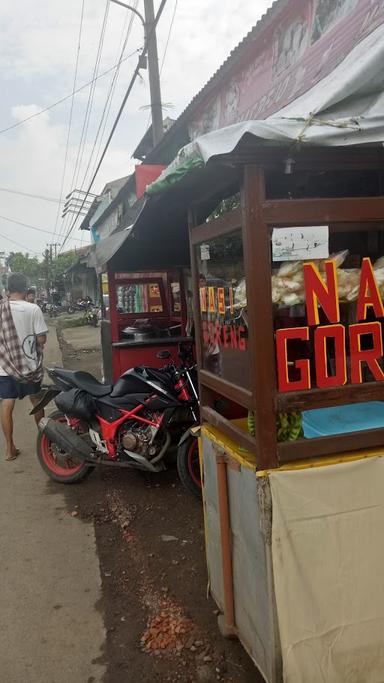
(81, 305)
(92, 316)
(129, 424)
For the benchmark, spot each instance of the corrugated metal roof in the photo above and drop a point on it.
(234, 57)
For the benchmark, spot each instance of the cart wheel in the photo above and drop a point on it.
(223, 628)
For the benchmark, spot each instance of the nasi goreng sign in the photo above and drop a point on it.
(363, 337)
(299, 43)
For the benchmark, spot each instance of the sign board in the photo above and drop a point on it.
(301, 43)
(300, 244)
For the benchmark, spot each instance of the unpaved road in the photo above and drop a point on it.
(149, 578)
(105, 581)
(51, 626)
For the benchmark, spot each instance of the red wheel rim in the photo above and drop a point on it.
(194, 463)
(65, 467)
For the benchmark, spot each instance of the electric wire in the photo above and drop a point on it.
(108, 102)
(112, 90)
(67, 97)
(22, 246)
(70, 120)
(117, 119)
(29, 194)
(32, 227)
(88, 111)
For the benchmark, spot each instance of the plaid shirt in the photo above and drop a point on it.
(12, 358)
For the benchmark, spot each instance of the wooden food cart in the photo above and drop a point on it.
(289, 288)
(287, 250)
(146, 307)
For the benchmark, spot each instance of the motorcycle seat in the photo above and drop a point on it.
(127, 401)
(85, 381)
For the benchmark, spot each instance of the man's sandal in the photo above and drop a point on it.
(13, 456)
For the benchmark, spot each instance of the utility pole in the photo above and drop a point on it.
(154, 75)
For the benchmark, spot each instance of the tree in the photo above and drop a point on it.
(62, 263)
(31, 267)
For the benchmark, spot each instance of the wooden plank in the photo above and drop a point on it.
(329, 445)
(257, 262)
(230, 430)
(321, 398)
(226, 388)
(226, 223)
(285, 212)
(308, 159)
(195, 289)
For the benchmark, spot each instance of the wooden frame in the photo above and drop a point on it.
(257, 217)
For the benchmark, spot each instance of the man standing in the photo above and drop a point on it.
(22, 337)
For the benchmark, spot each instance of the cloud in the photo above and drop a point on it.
(38, 43)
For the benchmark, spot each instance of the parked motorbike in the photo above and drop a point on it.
(81, 305)
(130, 424)
(92, 316)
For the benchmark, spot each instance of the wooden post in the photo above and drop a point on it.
(257, 261)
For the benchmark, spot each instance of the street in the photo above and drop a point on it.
(51, 628)
(88, 570)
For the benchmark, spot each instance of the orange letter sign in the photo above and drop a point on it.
(323, 378)
(370, 356)
(317, 292)
(285, 384)
(368, 293)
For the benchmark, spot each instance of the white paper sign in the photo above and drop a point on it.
(205, 252)
(300, 244)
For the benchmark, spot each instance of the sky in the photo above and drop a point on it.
(39, 47)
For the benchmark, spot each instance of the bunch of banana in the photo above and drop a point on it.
(289, 426)
(251, 423)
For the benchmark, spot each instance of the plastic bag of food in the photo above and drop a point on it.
(348, 281)
(379, 263)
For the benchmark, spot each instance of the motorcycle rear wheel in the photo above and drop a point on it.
(62, 470)
(188, 465)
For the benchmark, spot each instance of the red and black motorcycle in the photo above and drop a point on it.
(133, 423)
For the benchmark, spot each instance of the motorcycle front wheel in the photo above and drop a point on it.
(53, 460)
(188, 465)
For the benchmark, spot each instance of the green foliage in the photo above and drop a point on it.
(34, 269)
(23, 263)
(62, 263)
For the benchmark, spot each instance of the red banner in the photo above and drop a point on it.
(302, 43)
(145, 175)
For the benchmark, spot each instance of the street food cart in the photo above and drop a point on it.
(289, 288)
(146, 301)
(286, 221)
(287, 264)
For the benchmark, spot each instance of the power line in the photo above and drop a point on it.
(117, 119)
(22, 246)
(28, 194)
(84, 132)
(168, 37)
(32, 227)
(70, 119)
(67, 97)
(112, 88)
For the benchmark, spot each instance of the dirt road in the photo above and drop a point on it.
(51, 626)
(105, 582)
(150, 540)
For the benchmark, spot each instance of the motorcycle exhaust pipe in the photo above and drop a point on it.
(66, 439)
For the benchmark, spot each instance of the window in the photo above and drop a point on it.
(223, 308)
(139, 298)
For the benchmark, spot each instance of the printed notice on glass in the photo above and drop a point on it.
(300, 244)
(205, 253)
